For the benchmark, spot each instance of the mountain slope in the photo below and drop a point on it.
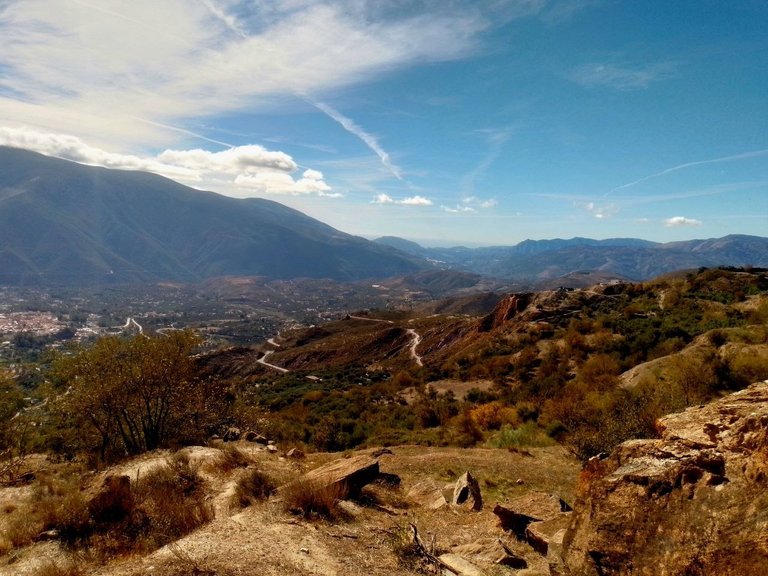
(65, 223)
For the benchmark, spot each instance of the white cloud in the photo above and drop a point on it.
(416, 201)
(600, 212)
(249, 168)
(411, 201)
(383, 199)
(681, 221)
(458, 209)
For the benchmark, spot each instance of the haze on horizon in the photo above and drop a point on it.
(453, 121)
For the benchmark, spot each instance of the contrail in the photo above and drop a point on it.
(108, 12)
(228, 20)
(183, 131)
(752, 154)
(349, 125)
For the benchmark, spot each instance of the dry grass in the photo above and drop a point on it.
(70, 566)
(170, 502)
(48, 499)
(312, 500)
(230, 458)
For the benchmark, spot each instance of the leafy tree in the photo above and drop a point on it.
(137, 394)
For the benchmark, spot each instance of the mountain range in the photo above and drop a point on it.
(64, 223)
(558, 261)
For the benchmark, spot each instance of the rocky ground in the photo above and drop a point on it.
(691, 502)
(265, 539)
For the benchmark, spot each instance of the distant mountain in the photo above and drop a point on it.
(544, 262)
(63, 223)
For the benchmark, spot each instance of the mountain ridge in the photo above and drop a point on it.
(546, 261)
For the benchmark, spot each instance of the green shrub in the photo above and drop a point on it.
(527, 435)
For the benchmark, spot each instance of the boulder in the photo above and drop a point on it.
(113, 501)
(427, 494)
(295, 453)
(467, 487)
(693, 501)
(349, 508)
(349, 474)
(251, 436)
(490, 551)
(534, 506)
(459, 565)
(539, 534)
(231, 434)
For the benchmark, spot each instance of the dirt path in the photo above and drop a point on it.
(415, 342)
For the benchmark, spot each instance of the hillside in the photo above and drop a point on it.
(571, 363)
(63, 223)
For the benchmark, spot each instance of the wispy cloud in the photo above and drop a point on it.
(496, 139)
(562, 11)
(681, 222)
(371, 141)
(732, 158)
(171, 61)
(410, 201)
(620, 76)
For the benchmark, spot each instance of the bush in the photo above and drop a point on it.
(494, 415)
(253, 486)
(527, 435)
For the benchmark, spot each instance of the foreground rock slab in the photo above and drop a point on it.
(427, 494)
(694, 501)
(349, 474)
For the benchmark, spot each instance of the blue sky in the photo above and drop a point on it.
(443, 121)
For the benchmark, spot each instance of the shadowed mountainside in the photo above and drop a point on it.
(63, 223)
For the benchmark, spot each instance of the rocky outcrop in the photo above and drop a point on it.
(509, 307)
(693, 502)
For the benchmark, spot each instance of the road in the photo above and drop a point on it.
(263, 362)
(415, 337)
(130, 321)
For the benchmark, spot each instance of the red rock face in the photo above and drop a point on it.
(694, 502)
(508, 308)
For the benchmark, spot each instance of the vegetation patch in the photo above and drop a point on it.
(253, 486)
